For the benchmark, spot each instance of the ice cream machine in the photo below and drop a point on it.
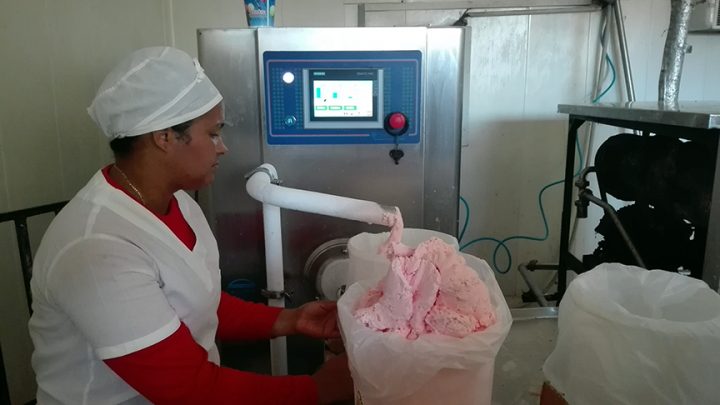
(366, 113)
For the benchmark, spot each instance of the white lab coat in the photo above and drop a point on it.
(110, 279)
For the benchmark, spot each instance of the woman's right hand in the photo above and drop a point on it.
(333, 380)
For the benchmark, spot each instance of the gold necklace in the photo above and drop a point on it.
(139, 194)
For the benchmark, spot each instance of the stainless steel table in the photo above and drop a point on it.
(697, 121)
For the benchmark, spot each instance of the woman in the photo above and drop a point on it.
(126, 285)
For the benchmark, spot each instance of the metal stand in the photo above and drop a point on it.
(698, 122)
(585, 197)
(22, 235)
(4, 390)
(20, 217)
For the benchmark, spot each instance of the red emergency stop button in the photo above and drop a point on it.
(397, 120)
(396, 123)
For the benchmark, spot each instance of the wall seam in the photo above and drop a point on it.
(527, 59)
(588, 49)
(3, 164)
(56, 116)
(169, 22)
(516, 281)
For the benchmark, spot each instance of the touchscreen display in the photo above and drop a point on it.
(343, 95)
(343, 98)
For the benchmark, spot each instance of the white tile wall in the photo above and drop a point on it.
(521, 68)
(189, 15)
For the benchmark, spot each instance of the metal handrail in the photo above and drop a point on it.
(4, 390)
(19, 217)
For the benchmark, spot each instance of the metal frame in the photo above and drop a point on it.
(20, 217)
(696, 121)
(586, 197)
(4, 390)
(451, 5)
(506, 11)
(358, 10)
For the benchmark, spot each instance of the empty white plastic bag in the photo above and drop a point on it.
(632, 336)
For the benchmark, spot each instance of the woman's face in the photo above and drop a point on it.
(196, 156)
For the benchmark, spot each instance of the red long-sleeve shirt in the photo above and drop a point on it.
(176, 370)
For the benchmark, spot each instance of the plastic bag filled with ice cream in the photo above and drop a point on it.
(429, 331)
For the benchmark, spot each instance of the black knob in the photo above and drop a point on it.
(396, 155)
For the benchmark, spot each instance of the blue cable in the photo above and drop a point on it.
(467, 218)
(501, 243)
(612, 82)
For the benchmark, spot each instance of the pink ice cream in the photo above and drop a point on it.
(428, 289)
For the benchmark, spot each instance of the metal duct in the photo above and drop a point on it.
(674, 53)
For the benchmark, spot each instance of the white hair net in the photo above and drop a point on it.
(152, 89)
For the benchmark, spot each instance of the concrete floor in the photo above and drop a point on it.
(518, 367)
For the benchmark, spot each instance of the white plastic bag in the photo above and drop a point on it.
(632, 336)
(389, 369)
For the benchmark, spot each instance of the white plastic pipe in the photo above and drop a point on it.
(260, 185)
(275, 281)
(261, 188)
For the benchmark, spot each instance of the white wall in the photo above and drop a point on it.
(54, 55)
(521, 68)
(189, 15)
(56, 52)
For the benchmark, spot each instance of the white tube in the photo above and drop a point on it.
(274, 197)
(275, 281)
(259, 186)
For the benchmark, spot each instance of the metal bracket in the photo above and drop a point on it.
(610, 211)
(273, 178)
(276, 295)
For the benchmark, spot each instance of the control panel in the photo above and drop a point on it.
(348, 97)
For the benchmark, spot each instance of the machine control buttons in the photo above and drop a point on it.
(288, 77)
(290, 121)
(396, 123)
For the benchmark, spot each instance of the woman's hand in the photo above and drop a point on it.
(316, 319)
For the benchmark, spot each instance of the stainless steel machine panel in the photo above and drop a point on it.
(424, 183)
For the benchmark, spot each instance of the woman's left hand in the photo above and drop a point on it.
(316, 319)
